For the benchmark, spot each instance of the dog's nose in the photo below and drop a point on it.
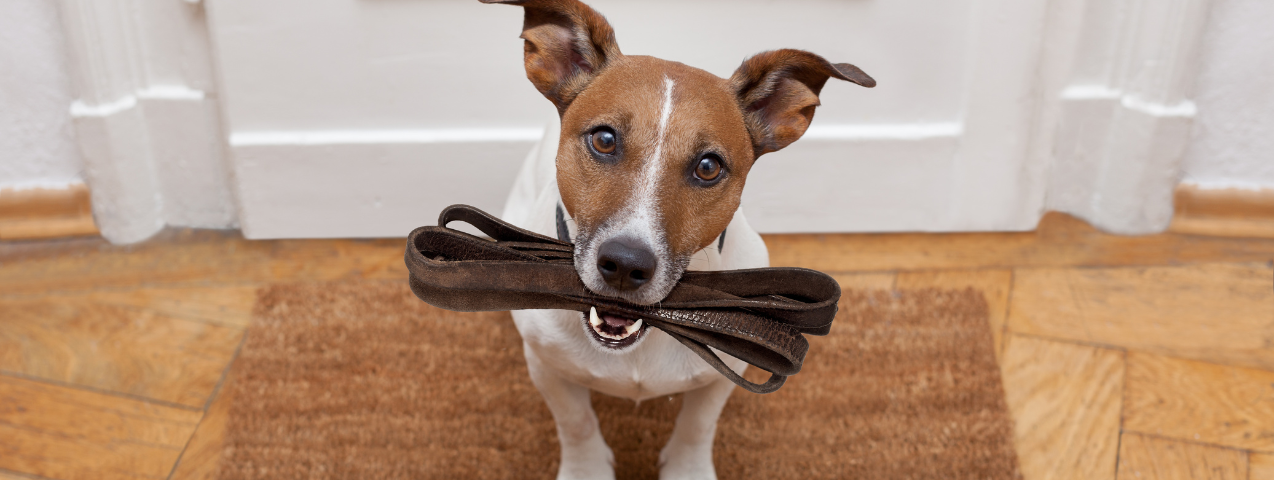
(625, 264)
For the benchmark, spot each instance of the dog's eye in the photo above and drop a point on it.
(708, 168)
(603, 140)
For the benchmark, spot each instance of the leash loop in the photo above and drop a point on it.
(760, 316)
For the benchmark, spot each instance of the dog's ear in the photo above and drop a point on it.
(567, 44)
(778, 91)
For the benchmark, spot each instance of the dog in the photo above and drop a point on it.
(644, 174)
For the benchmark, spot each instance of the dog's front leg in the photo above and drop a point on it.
(584, 452)
(688, 454)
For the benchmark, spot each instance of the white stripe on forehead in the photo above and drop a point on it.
(648, 184)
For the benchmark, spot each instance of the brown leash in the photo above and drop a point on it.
(759, 315)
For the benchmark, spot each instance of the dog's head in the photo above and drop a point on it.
(654, 154)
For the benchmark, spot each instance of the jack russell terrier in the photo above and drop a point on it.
(644, 175)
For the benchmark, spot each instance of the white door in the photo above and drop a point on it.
(366, 117)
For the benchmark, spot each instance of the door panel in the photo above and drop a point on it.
(366, 117)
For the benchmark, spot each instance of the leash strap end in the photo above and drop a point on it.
(711, 357)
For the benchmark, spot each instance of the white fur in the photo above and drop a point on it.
(565, 362)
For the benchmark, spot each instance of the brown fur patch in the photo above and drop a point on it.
(567, 42)
(572, 57)
(778, 91)
(628, 97)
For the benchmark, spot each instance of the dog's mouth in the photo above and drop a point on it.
(613, 330)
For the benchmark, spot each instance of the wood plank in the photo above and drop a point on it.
(1144, 457)
(1222, 313)
(125, 350)
(1223, 226)
(994, 285)
(66, 433)
(41, 228)
(1059, 241)
(1065, 401)
(1200, 402)
(189, 257)
(1191, 203)
(200, 459)
(46, 213)
(865, 281)
(69, 201)
(193, 258)
(1260, 466)
(15, 476)
(220, 304)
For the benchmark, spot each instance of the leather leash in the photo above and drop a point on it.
(759, 315)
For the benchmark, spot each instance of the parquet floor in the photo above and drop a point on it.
(1123, 357)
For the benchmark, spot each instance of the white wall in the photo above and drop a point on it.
(37, 143)
(1233, 142)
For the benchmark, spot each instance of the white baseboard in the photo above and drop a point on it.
(367, 189)
(854, 185)
(385, 183)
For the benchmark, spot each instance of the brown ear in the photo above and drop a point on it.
(778, 92)
(567, 44)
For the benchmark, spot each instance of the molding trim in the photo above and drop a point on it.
(145, 117)
(845, 132)
(46, 212)
(79, 109)
(1183, 108)
(383, 183)
(884, 131)
(372, 137)
(1224, 212)
(1118, 127)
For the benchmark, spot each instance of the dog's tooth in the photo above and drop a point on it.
(593, 318)
(629, 330)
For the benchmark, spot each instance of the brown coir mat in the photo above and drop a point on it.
(360, 380)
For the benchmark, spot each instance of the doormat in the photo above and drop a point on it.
(360, 379)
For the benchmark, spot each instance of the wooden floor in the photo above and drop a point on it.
(1123, 357)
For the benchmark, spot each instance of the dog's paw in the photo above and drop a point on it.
(593, 460)
(686, 462)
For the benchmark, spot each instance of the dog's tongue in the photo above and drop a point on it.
(617, 322)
